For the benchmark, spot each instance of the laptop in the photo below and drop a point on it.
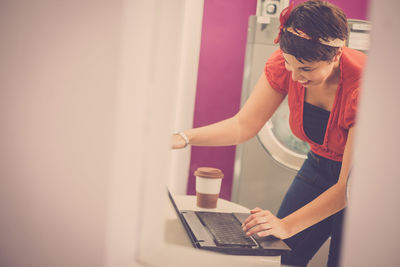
(222, 232)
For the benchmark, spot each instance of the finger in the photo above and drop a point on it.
(255, 210)
(251, 217)
(265, 233)
(248, 219)
(258, 228)
(262, 213)
(256, 221)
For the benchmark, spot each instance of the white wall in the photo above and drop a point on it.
(372, 227)
(59, 66)
(85, 111)
(184, 99)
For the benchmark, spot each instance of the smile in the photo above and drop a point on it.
(304, 82)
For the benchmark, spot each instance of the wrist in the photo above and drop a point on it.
(288, 228)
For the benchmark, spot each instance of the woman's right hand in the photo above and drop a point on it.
(177, 142)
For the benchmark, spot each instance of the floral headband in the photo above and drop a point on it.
(284, 17)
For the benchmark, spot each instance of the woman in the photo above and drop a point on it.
(321, 78)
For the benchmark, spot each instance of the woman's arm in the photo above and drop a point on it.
(328, 203)
(260, 106)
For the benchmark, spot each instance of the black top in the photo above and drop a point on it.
(315, 120)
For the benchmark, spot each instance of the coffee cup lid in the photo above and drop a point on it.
(209, 172)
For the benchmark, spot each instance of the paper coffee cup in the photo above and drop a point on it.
(208, 186)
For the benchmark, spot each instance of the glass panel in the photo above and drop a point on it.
(281, 130)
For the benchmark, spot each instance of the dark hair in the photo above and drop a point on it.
(318, 19)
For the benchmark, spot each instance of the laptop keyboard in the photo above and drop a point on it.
(226, 229)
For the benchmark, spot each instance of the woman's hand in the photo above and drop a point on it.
(264, 223)
(177, 142)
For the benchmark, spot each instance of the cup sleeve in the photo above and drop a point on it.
(276, 73)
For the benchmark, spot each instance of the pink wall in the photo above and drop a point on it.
(219, 83)
(220, 74)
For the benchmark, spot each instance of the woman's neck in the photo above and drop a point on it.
(332, 81)
(334, 77)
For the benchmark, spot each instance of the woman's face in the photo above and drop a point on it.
(311, 74)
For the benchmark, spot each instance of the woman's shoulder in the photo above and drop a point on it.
(353, 63)
(277, 74)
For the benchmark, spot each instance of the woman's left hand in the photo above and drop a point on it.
(264, 223)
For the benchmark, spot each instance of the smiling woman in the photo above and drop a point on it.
(321, 78)
(314, 74)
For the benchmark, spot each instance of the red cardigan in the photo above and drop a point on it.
(343, 113)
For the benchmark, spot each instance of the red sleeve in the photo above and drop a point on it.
(351, 109)
(277, 74)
